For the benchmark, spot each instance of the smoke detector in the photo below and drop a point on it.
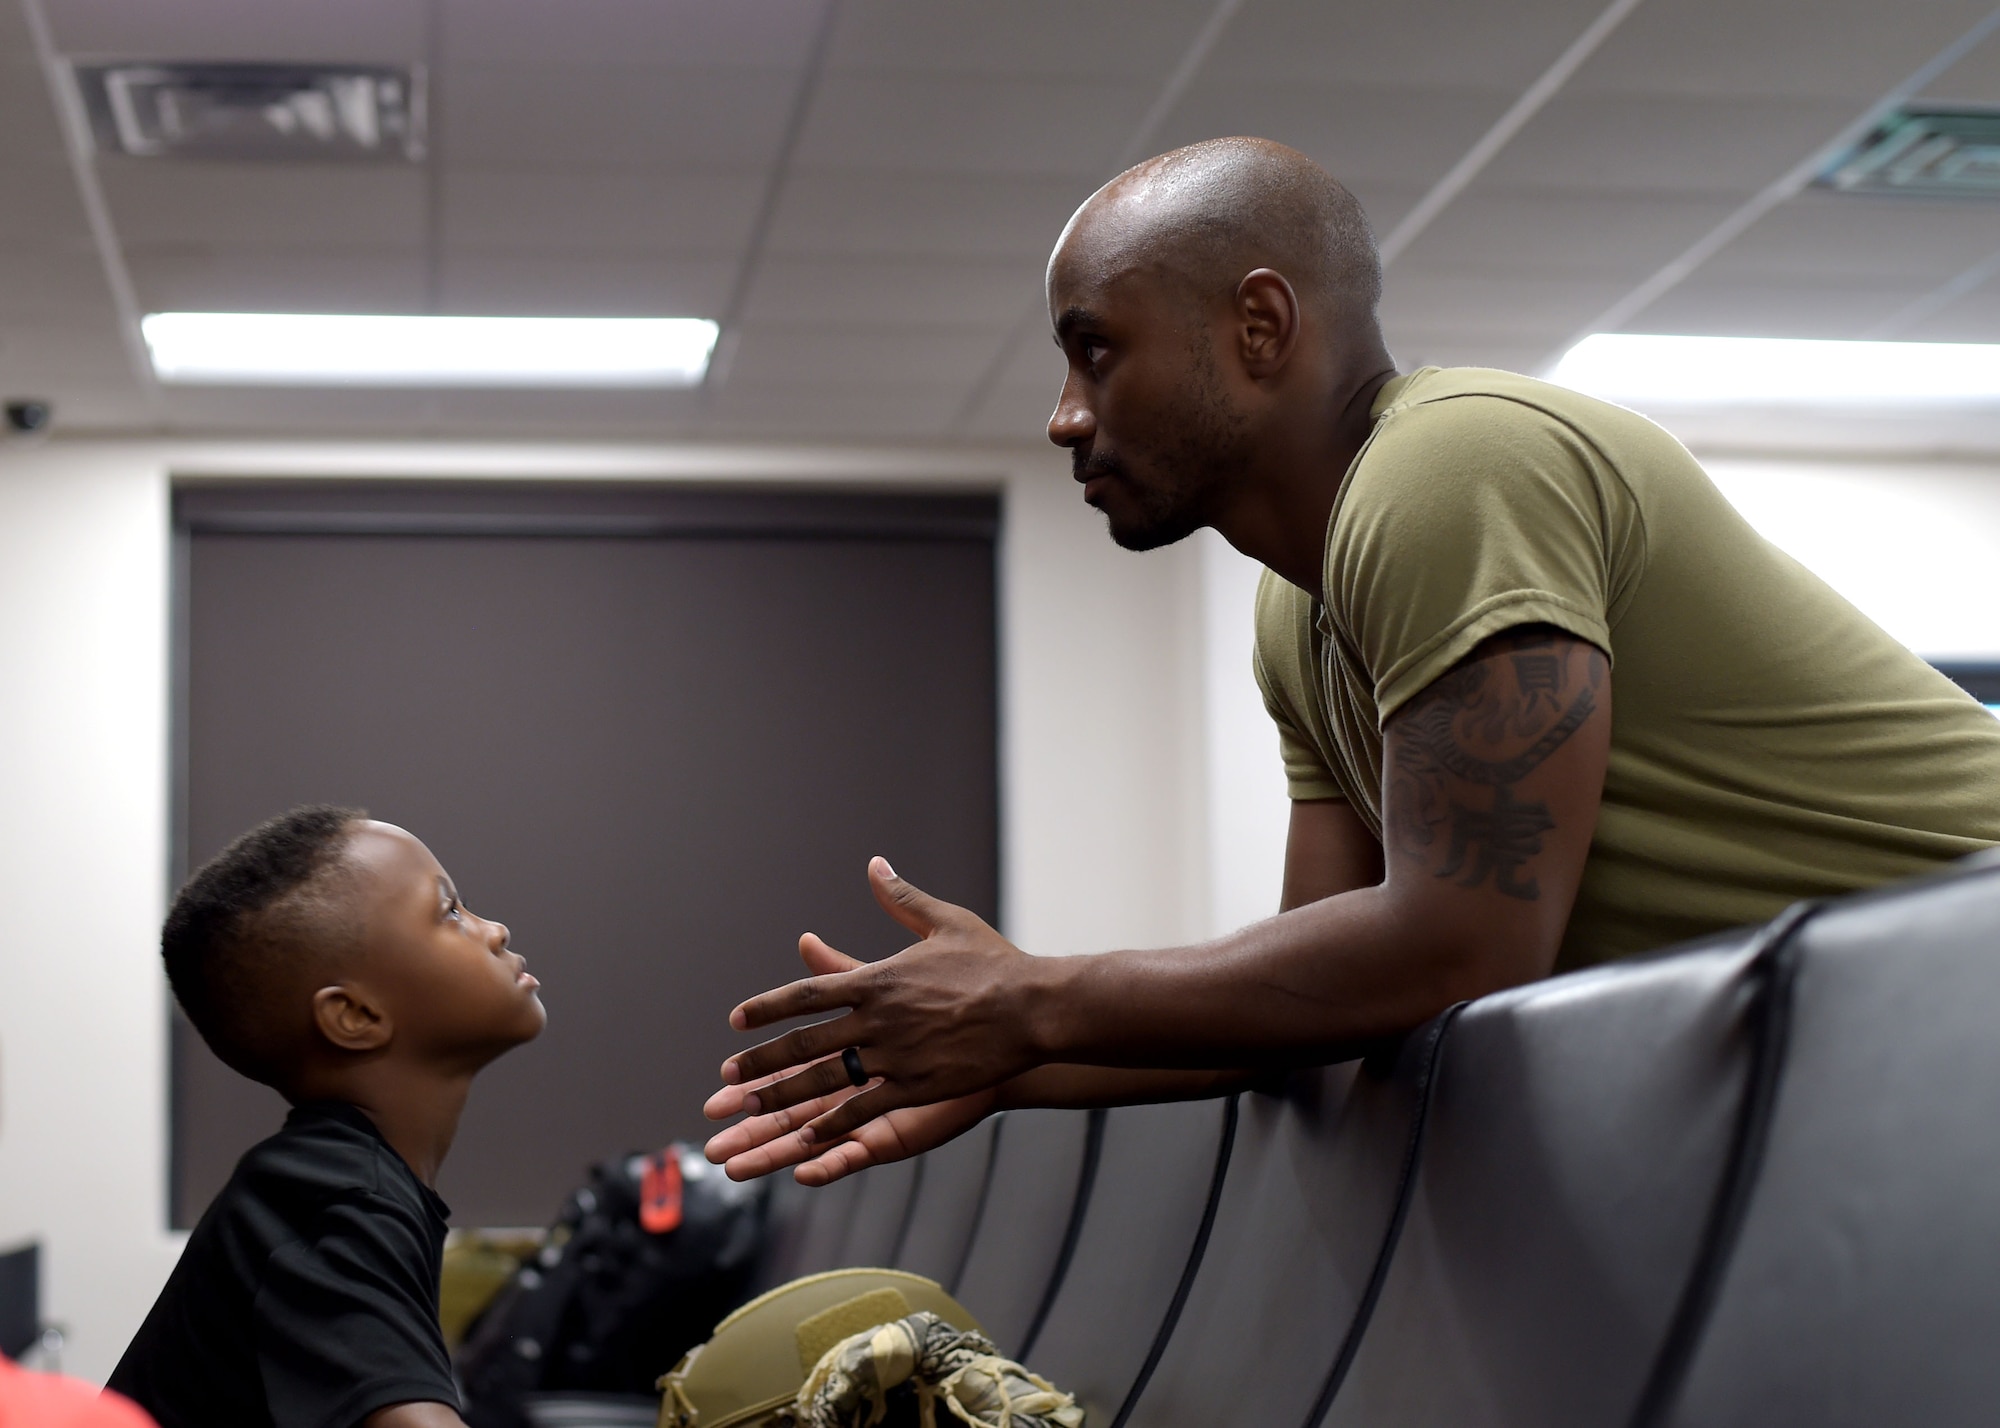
(256, 111)
(1929, 152)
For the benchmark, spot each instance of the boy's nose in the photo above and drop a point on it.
(497, 936)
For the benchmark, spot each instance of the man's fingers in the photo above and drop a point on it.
(853, 1113)
(791, 1052)
(823, 960)
(815, 1082)
(802, 998)
(754, 1131)
(729, 1100)
(915, 909)
(843, 1160)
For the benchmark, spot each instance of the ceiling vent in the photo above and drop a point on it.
(1925, 152)
(365, 113)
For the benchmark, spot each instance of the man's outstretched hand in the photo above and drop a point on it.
(938, 1026)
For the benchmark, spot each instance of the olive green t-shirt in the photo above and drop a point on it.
(1768, 741)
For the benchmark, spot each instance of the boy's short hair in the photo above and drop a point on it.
(250, 925)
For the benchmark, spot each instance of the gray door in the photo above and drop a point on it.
(656, 732)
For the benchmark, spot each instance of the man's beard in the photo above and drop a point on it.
(1201, 459)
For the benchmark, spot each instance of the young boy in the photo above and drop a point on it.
(329, 957)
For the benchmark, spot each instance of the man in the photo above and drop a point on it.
(1543, 697)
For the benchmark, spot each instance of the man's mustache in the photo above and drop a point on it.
(1098, 463)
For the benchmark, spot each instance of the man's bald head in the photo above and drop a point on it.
(1202, 217)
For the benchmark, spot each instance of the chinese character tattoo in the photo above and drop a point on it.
(1472, 736)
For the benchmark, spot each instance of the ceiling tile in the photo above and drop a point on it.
(1847, 50)
(1571, 233)
(685, 34)
(664, 286)
(1521, 305)
(1973, 80)
(1357, 133)
(54, 283)
(859, 357)
(42, 208)
(970, 124)
(298, 412)
(29, 132)
(904, 411)
(1013, 411)
(1974, 317)
(1770, 308)
(223, 204)
(1820, 233)
(609, 117)
(1499, 47)
(956, 215)
(368, 31)
(1085, 38)
(599, 211)
(1034, 360)
(1471, 350)
(235, 278)
(602, 414)
(892, 291)
(38, 354)
(1641, 143)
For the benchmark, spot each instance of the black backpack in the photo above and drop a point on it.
(643, 1260)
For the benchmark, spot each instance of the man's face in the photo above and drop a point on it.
(1144, 412)
(446, 976)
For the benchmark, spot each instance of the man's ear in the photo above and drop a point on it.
(350, 1019)
(1267, 312)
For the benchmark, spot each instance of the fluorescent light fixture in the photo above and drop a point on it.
(1779, 371)
(285, 349)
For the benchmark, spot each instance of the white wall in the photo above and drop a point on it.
(83, 569)
(1916, 545)
(1098, 788)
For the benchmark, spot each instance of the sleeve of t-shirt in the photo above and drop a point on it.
(346, 1323)
(1281, 662)
(1469, 516)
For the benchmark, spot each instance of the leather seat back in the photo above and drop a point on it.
(1155, 1172)
(950, 1193)
(1576, 1134)
(1862, 1286)
(1311, 1189)
(1038, 1170)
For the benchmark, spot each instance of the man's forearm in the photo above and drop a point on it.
(1317, 982)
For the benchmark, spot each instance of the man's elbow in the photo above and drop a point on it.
(1462, 964)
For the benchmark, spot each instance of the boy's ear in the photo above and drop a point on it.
(350, 1019)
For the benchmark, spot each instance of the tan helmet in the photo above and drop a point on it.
(758, 1358)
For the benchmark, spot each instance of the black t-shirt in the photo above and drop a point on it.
(307, 1296)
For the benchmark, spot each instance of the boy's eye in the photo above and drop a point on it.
(1093, 352)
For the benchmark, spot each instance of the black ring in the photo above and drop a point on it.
(851, 1059)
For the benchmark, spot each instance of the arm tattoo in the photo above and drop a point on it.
(1463, 729)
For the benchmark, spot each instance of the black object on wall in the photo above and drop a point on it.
(658, 731)
(1980, 680)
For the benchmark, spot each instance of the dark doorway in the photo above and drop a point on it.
(657, 731)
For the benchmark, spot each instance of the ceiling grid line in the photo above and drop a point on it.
(77, 147)
(1786, 186)
(730, 317)
(1178, 79)
(1532, 101)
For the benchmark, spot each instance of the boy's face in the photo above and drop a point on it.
(452, 989)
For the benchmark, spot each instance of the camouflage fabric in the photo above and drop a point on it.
(896, 1375)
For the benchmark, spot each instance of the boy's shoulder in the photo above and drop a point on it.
(327, 1157)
